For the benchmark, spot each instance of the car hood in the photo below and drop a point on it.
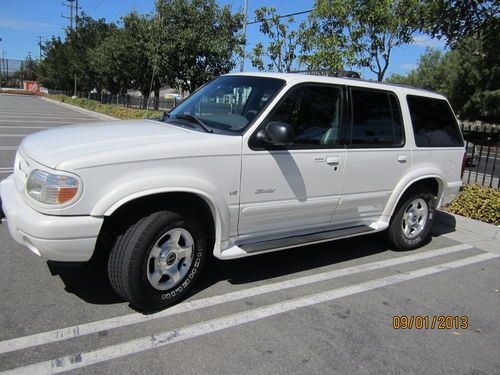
(86, 145)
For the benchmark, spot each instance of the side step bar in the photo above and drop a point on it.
(304, 239)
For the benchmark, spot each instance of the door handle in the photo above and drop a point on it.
(332, 160)
(402, 158)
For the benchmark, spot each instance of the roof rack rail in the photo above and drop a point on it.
(330, 73)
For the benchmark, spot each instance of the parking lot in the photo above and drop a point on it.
(322, 309)
(23, 115)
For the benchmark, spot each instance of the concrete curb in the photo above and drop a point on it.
(80, 109)
(462, 229)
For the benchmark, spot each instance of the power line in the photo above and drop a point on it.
(95, 5)
(283, 16)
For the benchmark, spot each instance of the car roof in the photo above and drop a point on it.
(296, 78)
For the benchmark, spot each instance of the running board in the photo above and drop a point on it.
(294, 241)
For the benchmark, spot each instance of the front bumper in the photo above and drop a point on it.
(59, 238)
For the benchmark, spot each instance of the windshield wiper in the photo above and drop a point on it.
(195, 120)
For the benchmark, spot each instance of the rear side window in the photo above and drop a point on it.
(376, 119)
(434, 124)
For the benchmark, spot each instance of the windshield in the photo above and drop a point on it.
(229, 103)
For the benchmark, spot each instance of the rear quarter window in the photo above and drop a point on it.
(434, 124)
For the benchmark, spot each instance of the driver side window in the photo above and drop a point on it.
(315, 113)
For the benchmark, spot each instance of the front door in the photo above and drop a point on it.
(295, 188)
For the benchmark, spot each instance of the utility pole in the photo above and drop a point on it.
(69, 3)
(245, 10)
(40, 47)
(76, 14)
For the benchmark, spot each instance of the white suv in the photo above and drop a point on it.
(249, 163)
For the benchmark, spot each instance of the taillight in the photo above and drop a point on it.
(464, 163)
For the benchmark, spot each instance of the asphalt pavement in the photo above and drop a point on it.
(323, 309)
(23, 115)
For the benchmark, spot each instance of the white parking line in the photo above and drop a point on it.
(8, 148)
(126, 320)
(13, 135)
(79, 360)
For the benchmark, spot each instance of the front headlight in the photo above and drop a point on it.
(49, 188)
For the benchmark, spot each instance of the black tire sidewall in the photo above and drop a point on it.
(142, 293)
(396, 234)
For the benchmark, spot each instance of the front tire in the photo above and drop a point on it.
(410, 225)
(154, 263)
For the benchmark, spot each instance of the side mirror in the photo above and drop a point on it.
(279, 133)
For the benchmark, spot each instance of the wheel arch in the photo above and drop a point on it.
(214, 213)
(435, 181)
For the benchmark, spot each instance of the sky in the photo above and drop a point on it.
(23, 21)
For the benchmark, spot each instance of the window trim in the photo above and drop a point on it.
(343, 122)
(350, 125)
(452, 113)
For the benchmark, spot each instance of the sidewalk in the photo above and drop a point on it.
(458, 228)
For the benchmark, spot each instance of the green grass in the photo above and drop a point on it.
(108, 109)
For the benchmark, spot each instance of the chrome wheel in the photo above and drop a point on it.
(170, 258)
(415, 218)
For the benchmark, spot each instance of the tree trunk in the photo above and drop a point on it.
(145, 97)
(157, 95)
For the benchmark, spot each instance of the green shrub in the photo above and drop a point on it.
(108, 109)
(477, 202)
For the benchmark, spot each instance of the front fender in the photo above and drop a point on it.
(142, 187)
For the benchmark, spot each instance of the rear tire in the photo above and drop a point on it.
(155, 262)
(411, 223)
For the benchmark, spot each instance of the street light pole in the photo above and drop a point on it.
(245, 10)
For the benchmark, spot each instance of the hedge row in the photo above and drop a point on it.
(108, 109)
(477, 202)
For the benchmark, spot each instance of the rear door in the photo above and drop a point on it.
(377, 155)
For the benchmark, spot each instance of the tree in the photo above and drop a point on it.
(64, 59)
(111, 62)
(56, 69)
(28, 70)
(465, 76)
(360, 33)
(456, 20)
(430, 73)
(123, 60)
(87, 35)
(196, 41)
(283, 46)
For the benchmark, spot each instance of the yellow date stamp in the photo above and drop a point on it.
(430, 322)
